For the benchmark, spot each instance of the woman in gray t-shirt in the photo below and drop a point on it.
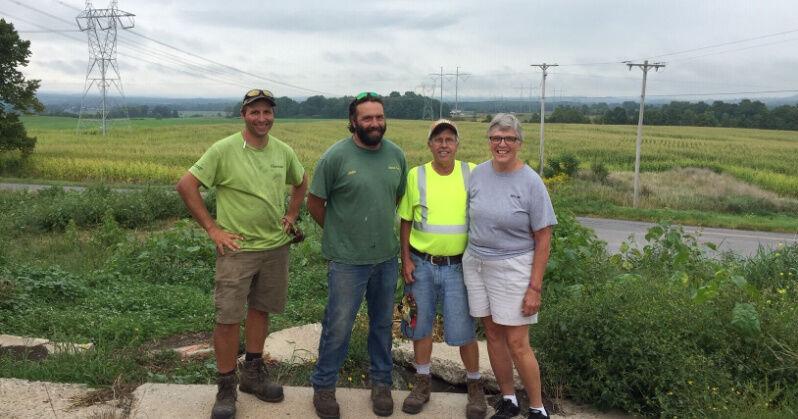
(509, 232)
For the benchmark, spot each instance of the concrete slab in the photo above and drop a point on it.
(52, 347)
(38, 399)
(295, 345)
(447, 365)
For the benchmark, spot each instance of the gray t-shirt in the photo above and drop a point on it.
(504, 209)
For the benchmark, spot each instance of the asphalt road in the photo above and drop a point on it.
(615, 232)
(741, 242)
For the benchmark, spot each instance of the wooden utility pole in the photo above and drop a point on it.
(645, 67)
(543, 67)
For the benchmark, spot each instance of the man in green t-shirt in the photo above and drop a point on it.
(356, 186)
(252, 233)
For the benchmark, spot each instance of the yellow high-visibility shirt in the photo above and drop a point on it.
(437, 207)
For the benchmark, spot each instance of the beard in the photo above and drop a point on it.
(372, 136)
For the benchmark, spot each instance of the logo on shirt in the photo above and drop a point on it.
(394, 167)
(351, 172)
(515, 196)
(277, 166)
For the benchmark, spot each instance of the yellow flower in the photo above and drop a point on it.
(781, 290)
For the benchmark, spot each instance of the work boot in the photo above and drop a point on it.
(226, 395)
(255, 381)
(325, 404)
(477, 407)
(419, 395)
(381, 400)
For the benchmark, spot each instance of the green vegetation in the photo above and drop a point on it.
(17, 95)
(658, 329)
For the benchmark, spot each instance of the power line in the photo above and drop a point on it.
(739, 41)
(257, 76)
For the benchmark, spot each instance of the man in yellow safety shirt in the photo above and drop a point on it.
(433, 236)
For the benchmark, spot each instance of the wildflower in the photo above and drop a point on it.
(781, 290)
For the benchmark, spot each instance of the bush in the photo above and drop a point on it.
(52, 209)
(566, 163)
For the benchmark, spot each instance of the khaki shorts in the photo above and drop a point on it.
(258, 279)
(496, 288)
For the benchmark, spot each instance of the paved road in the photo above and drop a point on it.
(614, 232)
(742, 242)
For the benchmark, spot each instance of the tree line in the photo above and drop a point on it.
(745, 114)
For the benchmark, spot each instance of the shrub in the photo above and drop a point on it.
(566, 163)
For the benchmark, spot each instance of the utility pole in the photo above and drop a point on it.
(101, 27)
(457, 75)
(543, 67)
(645, 67)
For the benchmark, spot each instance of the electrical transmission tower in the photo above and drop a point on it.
(102, 73)
(543, 67)
(457, 75)
(645, 67)
(428, 92)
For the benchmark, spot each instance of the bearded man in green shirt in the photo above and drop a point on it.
(252, 232)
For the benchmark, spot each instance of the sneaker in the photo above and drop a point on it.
(505, 409)
(477, 407)
(254, 381)
(325, 404)
(419, 395)
(226, 395)
(535, 414)
(381, 400)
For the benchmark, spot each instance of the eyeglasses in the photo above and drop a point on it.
(363, 95)
(497, 139)
(258, 92)
(444, 140)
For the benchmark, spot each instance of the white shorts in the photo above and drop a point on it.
(496, 288)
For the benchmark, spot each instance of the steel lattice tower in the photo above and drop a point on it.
(102, 73)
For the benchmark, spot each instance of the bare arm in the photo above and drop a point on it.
(188, 188)
(317, 209)
(540, 258)
(294, 203)
(407, 262)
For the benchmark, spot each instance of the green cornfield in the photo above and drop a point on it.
(160, 151)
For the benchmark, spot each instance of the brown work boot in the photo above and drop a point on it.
(325, 404)
(381, 400)
(419, 395)
(226, 395)
(477, 407)
(255, 381)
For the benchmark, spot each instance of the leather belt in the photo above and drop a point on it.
(438, 260)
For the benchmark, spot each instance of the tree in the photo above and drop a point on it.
(16, 94)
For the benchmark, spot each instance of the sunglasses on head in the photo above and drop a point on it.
(258, 92)
(363, 95)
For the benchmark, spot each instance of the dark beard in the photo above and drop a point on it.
(370, 137)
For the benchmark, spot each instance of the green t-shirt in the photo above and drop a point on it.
(250, 188)
(361, 188)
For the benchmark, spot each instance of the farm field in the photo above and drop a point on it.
(159, 151)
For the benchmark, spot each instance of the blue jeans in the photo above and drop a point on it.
(347, 284)
(444, 284)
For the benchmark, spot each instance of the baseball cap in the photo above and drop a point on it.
(258, 94)
(439, 126)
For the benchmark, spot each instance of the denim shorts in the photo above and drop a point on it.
(440, 284)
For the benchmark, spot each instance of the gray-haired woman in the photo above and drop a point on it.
(509, 233)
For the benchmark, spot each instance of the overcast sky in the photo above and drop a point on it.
(344, 47)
